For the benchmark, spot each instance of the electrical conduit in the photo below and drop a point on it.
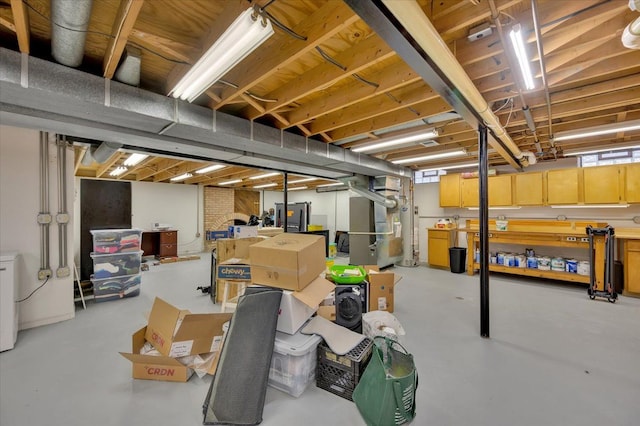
(62, 218)
(44, 217)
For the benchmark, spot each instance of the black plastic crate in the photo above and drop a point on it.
(339, 374)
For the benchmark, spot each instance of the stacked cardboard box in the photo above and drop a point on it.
(292, 262)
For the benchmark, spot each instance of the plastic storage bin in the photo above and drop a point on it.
(347, 274)
(293, 363)
(116, 288)
(115, 265)
(108, 241)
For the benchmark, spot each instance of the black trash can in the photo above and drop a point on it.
(457, 259)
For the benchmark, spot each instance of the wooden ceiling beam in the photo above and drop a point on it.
(417, 112)
(393, 77)
(355, 59)
(243, 174)
(595, 67)
(571, 31)
(79, 152)
(169, 48)
(331, 18)
(158, 166)
(104, 167)
(180, 167)
(379, 105)
(122, 26)
(7, 24)
(141, 165)
(21, 23)
(569, 55)
(466, 16)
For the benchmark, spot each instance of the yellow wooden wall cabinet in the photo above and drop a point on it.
(562, 186)
(534, 194)
(450, 190)
(617, 184)
(632, 183)
(602, 185)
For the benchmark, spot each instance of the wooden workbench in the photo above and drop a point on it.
(551, 233)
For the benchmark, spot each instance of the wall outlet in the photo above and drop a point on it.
(43, 274)
(571, 238)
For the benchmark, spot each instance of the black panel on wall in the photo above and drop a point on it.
(103, 205)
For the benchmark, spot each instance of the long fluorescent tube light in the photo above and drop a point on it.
(330, 184)
(134, 159)
(265, 185)
(211, 168)
(302, 180)
(430, 157)
(230, 182)
(118, 171)
(523, 58)
(606, 129)
(387, 142)
(242, 37)
(607, 148)
(181, 177)
(591, 206)
(266, 175)
(297, 189)
(454, 166)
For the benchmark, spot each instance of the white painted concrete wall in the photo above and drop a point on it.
(19, 230)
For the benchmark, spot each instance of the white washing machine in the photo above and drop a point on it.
(8, 304)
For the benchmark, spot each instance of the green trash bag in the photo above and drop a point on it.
(385, 394)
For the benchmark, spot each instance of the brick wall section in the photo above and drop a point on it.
(218, 205)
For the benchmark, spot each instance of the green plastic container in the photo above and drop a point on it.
(347, 274)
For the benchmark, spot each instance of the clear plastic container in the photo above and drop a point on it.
(115, 265)
(116, 288)
(109, 241)
(293, 364)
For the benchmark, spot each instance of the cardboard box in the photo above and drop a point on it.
(234, 269)
(201, 333)
(243, 231)
(296, 307)
(227, 249)
(289, 261)
(328, 312)
(381, 287)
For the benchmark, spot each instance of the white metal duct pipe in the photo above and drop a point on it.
(62, 218)
(413, 19)
(44, 217)
(389, 203)
(69, 23)
(631, 35)
(104, 151)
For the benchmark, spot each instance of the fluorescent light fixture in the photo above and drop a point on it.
(606, 129)
(302, 180)
(398, 140)
(211, 168)
(454, 166)
(118, 171)
(591, 206)
(242, 37)
(181, 177)
(265, 185)
(230, 182)
(445, 154)
(608, 148)
(297, 189)
(330, 184)
(523, 58)
(265, 175)
(134, 159)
